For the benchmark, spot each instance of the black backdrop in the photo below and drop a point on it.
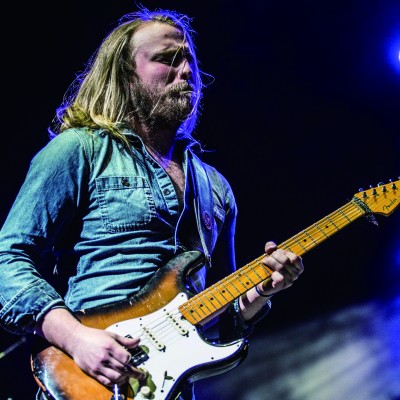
(301, 110)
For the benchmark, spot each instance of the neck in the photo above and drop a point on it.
(160, 143)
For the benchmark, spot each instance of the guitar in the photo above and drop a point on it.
(165, 315)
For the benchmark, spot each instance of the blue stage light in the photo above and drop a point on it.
(397, 256)
(393, 52)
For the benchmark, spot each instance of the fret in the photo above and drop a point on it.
(231, 287)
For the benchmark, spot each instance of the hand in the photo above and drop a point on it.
(101, 354)
(286, 267)
(104, 355)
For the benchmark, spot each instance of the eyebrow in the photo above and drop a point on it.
(185, 50)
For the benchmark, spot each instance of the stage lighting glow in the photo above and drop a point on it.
(393, 52)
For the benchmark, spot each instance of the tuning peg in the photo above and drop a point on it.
(384, 189)
(373, 190)
(364, 193)
(393, 185)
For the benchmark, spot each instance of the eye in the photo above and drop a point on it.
(166, 59)
(174, 59)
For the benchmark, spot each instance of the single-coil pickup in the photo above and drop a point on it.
(177, 324)
(153, 339)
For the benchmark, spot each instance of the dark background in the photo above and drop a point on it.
(301, 110)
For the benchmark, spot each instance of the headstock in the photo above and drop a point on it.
(382, 199)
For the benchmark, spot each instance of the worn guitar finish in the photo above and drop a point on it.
(165, 316)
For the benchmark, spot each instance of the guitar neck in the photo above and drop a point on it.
(323, 229)
(207, 303)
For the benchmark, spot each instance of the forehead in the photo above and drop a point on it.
(157, 36)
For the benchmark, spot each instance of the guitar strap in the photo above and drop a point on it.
(203, 204)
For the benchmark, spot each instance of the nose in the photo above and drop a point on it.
(185, 70)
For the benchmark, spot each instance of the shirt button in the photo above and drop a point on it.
(167, 192)
(125, 182)
(207, 220)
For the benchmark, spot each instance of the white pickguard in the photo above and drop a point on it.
(173, 346)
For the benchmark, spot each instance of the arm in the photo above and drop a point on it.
(47, 203)
(43, 209)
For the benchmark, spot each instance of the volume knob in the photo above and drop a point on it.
(144, 393)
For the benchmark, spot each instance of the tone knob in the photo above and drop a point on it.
(144, 393)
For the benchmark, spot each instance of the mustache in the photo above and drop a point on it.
(180, 87)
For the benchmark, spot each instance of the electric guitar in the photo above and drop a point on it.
(165, 315)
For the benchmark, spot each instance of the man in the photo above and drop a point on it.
(116, 194)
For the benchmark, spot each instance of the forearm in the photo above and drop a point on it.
(252, 302)
(60, 328)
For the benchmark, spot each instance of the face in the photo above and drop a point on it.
(162, 56)
(163, 65)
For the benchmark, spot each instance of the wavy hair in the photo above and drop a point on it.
(99, 97)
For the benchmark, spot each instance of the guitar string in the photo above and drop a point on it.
(163, 328)
(349, 210)
(342, 217)
(160, 328)
(318, 232)
(325, 227)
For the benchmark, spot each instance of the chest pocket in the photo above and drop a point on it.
(126, 202)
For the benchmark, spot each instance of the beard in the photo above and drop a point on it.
(162, 108)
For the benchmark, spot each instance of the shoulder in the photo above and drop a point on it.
(217, 179)
(220, 185)
(78, 137)
(66, 140)
(74, 143)
(71, 147)
(216, 176)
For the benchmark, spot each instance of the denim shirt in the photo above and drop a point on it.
(105, 217)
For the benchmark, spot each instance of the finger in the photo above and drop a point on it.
(276, 279)
(134, 372)
(296, 268)
(291, 274)
(116, 373)
(123, 368)
(270, 247)
(108, 376)
(276, 260)
(120, 353)
(127, 342)
(105, 380)
(295, 259)
(287, 260)
(290, 271)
